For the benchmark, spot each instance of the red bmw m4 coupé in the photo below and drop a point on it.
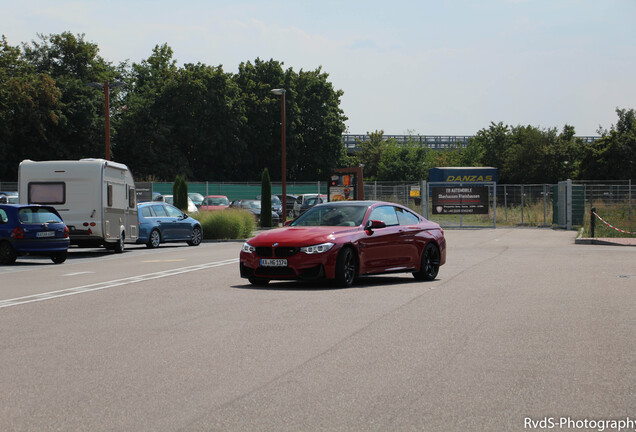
(343, 240)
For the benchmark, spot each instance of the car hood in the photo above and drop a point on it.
(300, 236)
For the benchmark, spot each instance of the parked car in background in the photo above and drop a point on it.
(254, 206)
(161, 222)
(310, 202)
(215, 202)
(192, 207)
(301, 199)
(196, 198)
(277, 205)
(31, 229)
(344, 240)
(291, 199)
(9, 198)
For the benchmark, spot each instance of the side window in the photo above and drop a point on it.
(131, 198)
(173, 211)
(3, 216)
(406, 217)
(145, 212)
(109, 195)
(159, 211)
(385, 214)
(46, 193)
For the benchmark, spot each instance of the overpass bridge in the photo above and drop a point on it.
(437, 142)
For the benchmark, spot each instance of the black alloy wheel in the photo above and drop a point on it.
(429, 266)
(346, 267)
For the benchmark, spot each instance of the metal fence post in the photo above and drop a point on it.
(424, 198)
(495, 205)
(592, 221)
(522, 204)
(506, 202)
(569, 203)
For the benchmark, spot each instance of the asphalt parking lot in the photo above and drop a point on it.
(522, 325)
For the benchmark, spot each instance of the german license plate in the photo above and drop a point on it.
(45, 234)
(274, 262)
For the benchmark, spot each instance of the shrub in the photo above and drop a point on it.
(226, 224)
(180, 193)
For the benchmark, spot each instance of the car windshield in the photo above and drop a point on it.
(197, 198)
(332, 215)
(37, 215)
(251, 204)
(215, 201)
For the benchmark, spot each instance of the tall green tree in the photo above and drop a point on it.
(30, 111)
(613, 157)
(370, 154)
(72, 62)
(403, 162)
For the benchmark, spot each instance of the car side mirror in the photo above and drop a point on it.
(288, 222)
(374, 224)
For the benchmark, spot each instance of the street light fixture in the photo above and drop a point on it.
(106, 86)
(281, 92)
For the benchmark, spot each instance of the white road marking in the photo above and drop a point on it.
(77, 273)
(110, 284)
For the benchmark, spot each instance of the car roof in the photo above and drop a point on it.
(19, 206)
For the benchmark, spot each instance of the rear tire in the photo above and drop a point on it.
(346, 267)
(59, 257)
(7, 253)
(429, 267)
(120, 245)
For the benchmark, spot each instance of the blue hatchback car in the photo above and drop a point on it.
(31, 229)
(160, 222)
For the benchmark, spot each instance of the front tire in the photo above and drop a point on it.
(429, 267)
(7, 253)
(197, 236)
(154, 240)
(258, 281)
(346, 267)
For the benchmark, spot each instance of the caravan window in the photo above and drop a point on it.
(109, 195)
(47, 193)
(131, 198)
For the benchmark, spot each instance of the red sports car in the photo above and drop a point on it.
(344, 240)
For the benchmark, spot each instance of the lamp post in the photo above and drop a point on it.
(281, 92)
(105, 85)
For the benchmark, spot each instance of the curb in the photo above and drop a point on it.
(606, 241)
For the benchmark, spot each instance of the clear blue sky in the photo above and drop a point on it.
(424, 67)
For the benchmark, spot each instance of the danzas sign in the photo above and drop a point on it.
(460, 200)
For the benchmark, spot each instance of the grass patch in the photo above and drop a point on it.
(226, 224)
(618, 216)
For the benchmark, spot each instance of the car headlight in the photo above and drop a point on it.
(316, 249)
(248, 248)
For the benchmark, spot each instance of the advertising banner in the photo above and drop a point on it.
(460, 200)
(342, 187)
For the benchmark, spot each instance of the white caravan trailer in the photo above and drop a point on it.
(95, 197)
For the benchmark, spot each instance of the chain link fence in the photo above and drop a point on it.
(516, 205)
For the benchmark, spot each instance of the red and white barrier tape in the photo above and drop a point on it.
(613, 227)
